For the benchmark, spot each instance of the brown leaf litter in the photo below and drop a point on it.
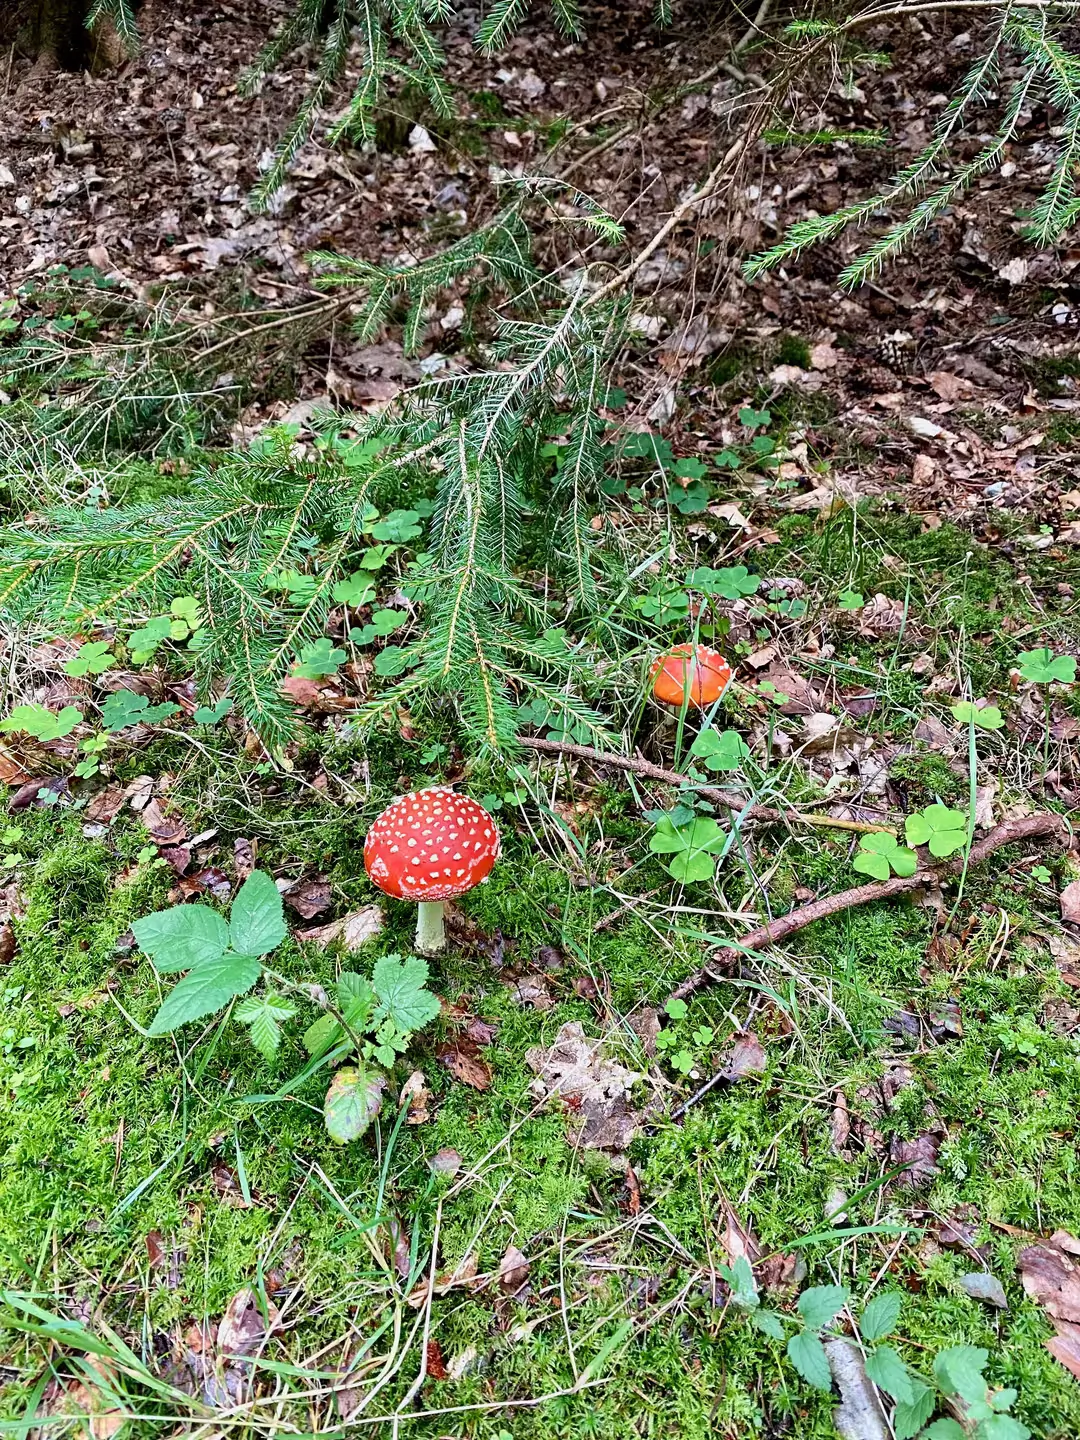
(593, 1089)
(1050, 1272)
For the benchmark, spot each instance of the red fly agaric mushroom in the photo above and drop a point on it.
(430, 846)
(692, 671)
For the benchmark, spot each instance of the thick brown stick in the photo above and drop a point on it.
(1028, 827)
(737, 803)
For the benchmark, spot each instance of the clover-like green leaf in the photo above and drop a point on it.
(723, 750)
(358, 589)
(731, 583)
(880, 852)
(941, 829)
(319, 659)
(691, 847)
(41, 723)
(985, 717)
(1043, 667)
(93, 658)
(126, 707)
(850, 600)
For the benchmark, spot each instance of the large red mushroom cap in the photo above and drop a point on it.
(694, 668)
(431, 845)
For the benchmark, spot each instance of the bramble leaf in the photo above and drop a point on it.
(403, 996)
(182, 938)
(256, 922)
(205, 989)
(352, 1102)
(263, 1015)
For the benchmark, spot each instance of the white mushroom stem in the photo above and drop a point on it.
(430, 931)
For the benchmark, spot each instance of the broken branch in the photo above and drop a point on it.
(1027, 827)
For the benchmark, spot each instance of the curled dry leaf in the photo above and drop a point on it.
(513, 1271)
(531, 990)
(417, 1096)
(163, 829)
(746, 1057)
(1050, 1272)
(446, 1162)
(918, 1158)
(308, 897)
(244, 853)
(461, 1278)
(1070, 903)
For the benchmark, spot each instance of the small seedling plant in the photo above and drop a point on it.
(680, 1045)
(958, 1371)
(1044, 668)
(373, 1022)
(941, 829)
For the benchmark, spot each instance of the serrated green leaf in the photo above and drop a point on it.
(885, 1368)
(263, 1015)
(959, 1371)
(945, 1429)
(740, 1277)
(909, 1419)
(403, 998)
(881, 1315)
(352, 1102)
(1002, 1427)
(768, 1322)
(256, 922)
(182, 938)
(206, 989)
(807, 1354)
(821, 1304)
(322, 1035)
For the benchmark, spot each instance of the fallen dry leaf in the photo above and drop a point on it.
(462, 1059)
(308, 897)
(746, 1057)
(918, 1158)
(1070, 903)
(242, 1329)
(461, 1278)
(436, 1365)
(352, 930)
(446, 1162)
(244, 853)
(211, 880)
(513, 1271)
(417, 1096)
(1050, 1272)
(530, 990)
(104, 807)
(594, 1089)
(163, 829)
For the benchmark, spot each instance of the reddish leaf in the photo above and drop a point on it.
(308, 897)
(436, 1365)
(464, 1063)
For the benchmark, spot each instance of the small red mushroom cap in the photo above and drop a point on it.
(697, 668)
(431, 845)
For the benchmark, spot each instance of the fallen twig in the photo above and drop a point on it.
(737, 803)
(1027, 827)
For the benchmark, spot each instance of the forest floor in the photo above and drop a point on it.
(897, 1085)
